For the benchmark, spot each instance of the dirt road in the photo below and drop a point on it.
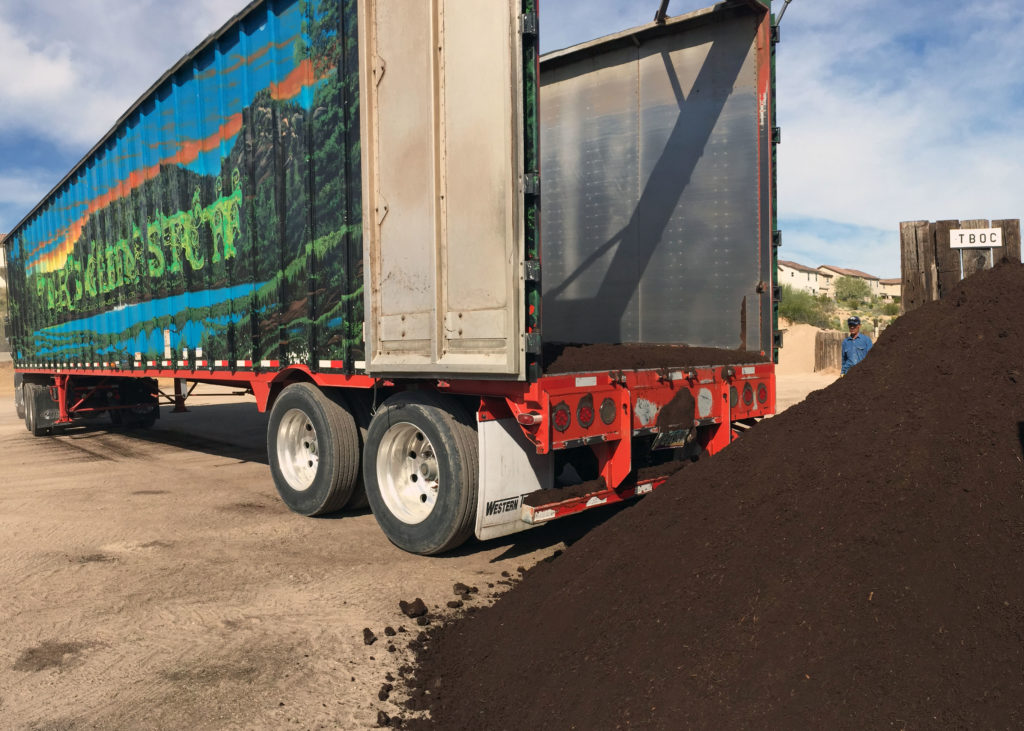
(154, 579)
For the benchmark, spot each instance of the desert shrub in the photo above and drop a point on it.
(797, 305)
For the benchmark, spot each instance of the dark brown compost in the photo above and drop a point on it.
(856, 562)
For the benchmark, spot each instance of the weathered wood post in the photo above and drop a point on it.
(935, 256)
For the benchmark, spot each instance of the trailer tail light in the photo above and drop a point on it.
(762, 393)
(531, 418)
(607, 411)
(561, 416)
(748, 395)
(585, 412)
(734, 397)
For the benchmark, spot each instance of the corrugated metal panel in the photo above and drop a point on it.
(651, 164)
(219, 214)
(442, 155)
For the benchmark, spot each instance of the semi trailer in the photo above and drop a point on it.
(476, 288)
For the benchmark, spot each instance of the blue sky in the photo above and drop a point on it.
(890, 111)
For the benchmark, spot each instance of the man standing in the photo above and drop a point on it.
(856, 346)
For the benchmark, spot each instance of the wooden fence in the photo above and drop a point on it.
(828, 350)
(931, 268)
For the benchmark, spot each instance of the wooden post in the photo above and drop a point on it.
(931, 267)
(913, 286)
(926, 247)
(828, 349)
(974, 260)
(1011, 238)
(947, 260)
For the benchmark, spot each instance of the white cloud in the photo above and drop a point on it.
(900, 111)
(68, 70)
(24, 187)
(816, 242)
(568, 22)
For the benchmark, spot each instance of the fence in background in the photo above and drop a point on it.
(828, 348)
(931, 268)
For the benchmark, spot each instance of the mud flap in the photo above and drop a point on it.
(509, 469)
(47, 410)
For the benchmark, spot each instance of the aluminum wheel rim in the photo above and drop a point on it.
(407, 473)
(298, 454)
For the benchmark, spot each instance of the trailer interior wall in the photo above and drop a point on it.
(655, 163)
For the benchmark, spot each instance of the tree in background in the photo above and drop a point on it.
(798, 305)
(852, 291)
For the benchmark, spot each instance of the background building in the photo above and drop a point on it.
(837, 272)
(803, 277)
(821, 280)
(890, 289)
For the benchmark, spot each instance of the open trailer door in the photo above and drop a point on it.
(441, 97)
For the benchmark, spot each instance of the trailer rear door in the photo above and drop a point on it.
(442, 129)
(656, 157)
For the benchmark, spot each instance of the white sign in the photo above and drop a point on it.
(975, 238)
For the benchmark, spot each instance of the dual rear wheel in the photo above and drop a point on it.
(30, 393)
(419, 462)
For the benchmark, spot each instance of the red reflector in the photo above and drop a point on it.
(585, 411)
(561, 417)
(530, 419)
(586, 417)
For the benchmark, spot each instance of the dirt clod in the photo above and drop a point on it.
(457, 604)
(390, 631)
(368, 636)
(385, 691)
(415, 608)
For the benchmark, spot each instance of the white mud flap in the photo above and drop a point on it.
(510, 468)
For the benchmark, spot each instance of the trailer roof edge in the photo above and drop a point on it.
(650, 30)
(208, 41)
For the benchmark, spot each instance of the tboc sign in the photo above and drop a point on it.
(975, 238)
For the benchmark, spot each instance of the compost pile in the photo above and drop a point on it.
(856, 562)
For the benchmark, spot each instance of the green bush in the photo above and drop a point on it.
(797, 305)
(891, 309)
(852, 291)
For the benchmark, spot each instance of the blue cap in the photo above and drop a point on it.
(853, 321)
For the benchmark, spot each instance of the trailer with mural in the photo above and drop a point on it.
(476, 289)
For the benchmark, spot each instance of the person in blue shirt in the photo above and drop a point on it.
(855, 347)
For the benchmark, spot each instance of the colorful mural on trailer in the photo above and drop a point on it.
(220, 220)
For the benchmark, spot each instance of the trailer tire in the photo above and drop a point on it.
(421, 470)
(19, 395)
(30, 390)
(361, 412)
(25, 412)
(313, 448)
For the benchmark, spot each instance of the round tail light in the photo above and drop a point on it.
(607, 411)
(561, 416)
(585, 412)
